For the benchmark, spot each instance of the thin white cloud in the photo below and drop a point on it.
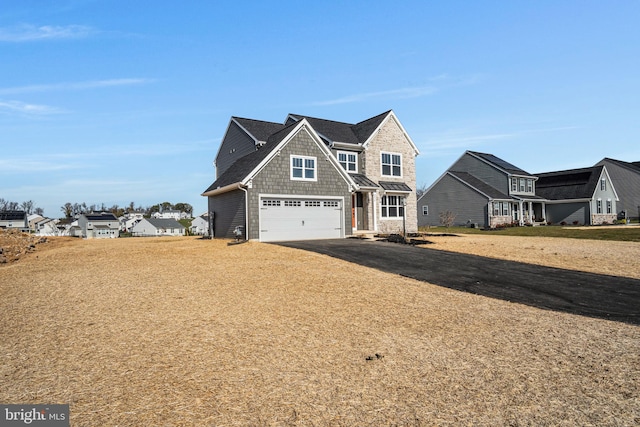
(28, 32)
(13, 107)
(411, 92)
(92, 84)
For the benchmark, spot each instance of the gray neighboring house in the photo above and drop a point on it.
(626, 177)
(17, 220)
(583, 196)
(101, 225)
(483, 190)
(310, 178)
(149, 227)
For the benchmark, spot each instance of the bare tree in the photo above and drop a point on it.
(420, 190)
(67, 210)
(447, 218)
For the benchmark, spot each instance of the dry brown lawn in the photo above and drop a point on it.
(188, 332)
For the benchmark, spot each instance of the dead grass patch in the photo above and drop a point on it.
(182, 332)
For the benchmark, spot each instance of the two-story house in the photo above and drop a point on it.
(626, 176)
(310, 178)
(482, 189)
(100, 225)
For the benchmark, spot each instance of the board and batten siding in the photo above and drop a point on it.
(236, 144)
(275, 178)
(449, 194)
(483, 171)
(229, 212)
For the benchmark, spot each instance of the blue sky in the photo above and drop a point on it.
(126, 101)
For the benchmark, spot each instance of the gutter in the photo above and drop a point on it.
(220, 190)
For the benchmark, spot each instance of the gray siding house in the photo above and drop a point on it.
(579, 196)
(311, 178)
(483, 190)
(626, 176)
(101, 225)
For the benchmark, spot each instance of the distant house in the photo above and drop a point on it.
(129, 219)
(626, 176)
(101, 225)
(581, 196)
(200, 225)
(33, 219)
(170, 213)
(482, 189)
(48, 227)
(14, 219)
(148, 227)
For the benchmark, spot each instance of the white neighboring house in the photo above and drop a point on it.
(33, 220)
(101, 225)
(200, 225)
(129, 219)
(47, 227)
(158, 227)
(170, 213)
(14, 219)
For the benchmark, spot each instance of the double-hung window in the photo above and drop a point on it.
(392, 206)
(391, 164)
(599, 206)
(609, 206)
(603, 184)
(349, 161)
(303, 168)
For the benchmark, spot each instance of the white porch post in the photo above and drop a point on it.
(521, 208)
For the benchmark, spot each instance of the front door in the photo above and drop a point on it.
(361, 212)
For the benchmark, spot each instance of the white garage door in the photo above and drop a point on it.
(300, 219)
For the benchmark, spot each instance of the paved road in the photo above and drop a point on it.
(588, 294)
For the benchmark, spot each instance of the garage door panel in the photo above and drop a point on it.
(286, 219)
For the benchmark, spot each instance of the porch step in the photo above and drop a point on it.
(360, 234)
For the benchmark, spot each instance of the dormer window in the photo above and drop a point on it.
(391, 164)
(348, 160)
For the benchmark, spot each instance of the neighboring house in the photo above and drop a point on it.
(101, 225)
(200, 225)
(579, 196)
(158, 227)
(484, 190)
(129, 219)
(48, 227)
(626, 177)
(14, 219)
(310, 178)
(33, 220)
(171, 213)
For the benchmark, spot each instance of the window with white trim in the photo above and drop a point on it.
(603, 184)
(392, 206)
(514, 184)
(348, 160)
(609, 206)
(529, 186)
(599, 206)
(391, 164)
(303, 168)
(425, 210)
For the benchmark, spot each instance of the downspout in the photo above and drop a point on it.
(246, 212)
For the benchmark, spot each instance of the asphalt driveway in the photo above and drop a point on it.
(588, 294)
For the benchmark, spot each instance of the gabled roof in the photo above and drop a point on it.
(569, 184)
(258, 129)
(329, 130)
(164, 223)
(632, 166)
(499, 163)
(479, 185)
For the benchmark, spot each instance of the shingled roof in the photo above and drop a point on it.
(479, 185)
(569, 184)
(500, 164)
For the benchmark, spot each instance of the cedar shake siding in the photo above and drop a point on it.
(275, 179)
(229, 212)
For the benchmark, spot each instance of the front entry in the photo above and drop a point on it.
(360, 211)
